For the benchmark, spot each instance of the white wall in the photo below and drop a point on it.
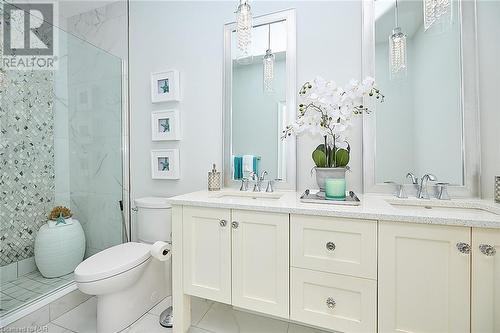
(188, 36)
(489, 80)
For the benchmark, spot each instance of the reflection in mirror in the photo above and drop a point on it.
(419, 127)
(257, 111)
(257, 107)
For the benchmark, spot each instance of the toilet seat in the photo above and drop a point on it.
(112, 261)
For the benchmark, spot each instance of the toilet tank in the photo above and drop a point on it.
(154, 219)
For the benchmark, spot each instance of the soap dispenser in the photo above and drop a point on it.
(214, 179)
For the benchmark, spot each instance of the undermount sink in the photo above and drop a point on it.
(247, 195)
(443, 208)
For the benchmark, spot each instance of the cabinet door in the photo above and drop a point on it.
(424, 279)
(207, 253)
(261, 262)
(486, 280)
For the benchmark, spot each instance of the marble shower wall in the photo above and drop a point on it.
(104, 27)
(27, 166)
(95, 110)
(60, 137)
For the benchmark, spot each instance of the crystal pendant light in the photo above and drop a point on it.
(437, 13)
(397, 51)
(268, 66)
(244, 32)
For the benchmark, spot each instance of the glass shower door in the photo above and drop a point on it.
(60, 145)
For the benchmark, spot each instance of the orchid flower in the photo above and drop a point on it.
(328, 109)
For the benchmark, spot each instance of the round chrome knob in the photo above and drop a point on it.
(487, 250)
(330, 246)
(463, 248)
(235, 224)
(222, 223)
(330, 302)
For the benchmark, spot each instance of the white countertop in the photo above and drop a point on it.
(458, 212)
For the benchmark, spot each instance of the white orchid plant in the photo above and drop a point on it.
(328, 110)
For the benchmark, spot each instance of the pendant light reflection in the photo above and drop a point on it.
(397, 51)
(244, 32)
(268, 66)
(437, 15)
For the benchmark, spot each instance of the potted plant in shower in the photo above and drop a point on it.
(59, 244)
(327, 109)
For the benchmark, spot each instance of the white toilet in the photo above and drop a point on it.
(127, 280)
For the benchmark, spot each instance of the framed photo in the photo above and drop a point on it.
(165, 86)
(165, 164)
(165, 125)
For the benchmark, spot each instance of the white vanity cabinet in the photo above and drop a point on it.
(334, 271)
(206, 247)
(424, 278)
(485, 280)
(260, 262)
(237, 257)
(337, 273)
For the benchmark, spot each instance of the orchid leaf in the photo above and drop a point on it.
(342, 158)
(319, 158)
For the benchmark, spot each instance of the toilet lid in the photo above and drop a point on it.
(112, 261)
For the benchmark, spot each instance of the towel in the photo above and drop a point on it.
(256, 161)
(248, 165)
(237, 167)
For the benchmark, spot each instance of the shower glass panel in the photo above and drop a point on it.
(60, 145)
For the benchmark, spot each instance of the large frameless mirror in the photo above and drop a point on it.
(259, 101)
(423, 60)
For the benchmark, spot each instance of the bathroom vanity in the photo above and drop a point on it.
(387, 265)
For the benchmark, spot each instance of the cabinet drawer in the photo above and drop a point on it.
(332, 301)
(335, 245)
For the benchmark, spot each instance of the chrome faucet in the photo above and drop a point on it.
(414, 180)
(244, 184)
(443, 191)
(400, 190)
(263, 175)
(422, 192)
(257, 186)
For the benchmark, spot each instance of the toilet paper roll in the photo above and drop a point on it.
(161, 251)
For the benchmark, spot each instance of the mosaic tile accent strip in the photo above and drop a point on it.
(27, 173)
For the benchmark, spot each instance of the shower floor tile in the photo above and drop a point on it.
(27, 288)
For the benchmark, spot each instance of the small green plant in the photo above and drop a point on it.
(331, 157)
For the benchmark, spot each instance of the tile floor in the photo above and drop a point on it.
(27, 288)
(207, 317)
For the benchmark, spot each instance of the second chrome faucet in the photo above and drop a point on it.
(422, 191)
(257, 182)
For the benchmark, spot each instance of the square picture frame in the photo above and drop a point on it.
(165, 125)
(165, 164)
(165, 86)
